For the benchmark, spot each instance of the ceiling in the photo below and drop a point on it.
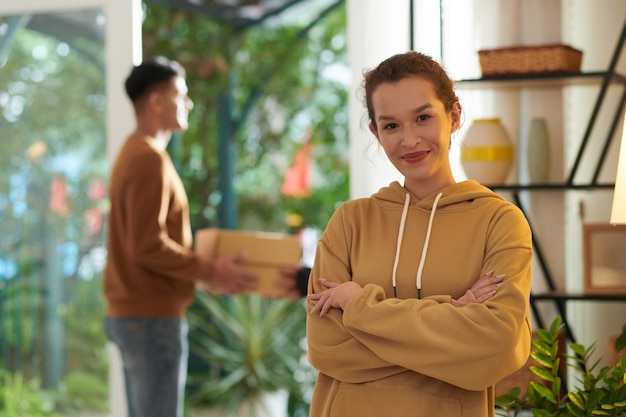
(90, 24)
(238, 12)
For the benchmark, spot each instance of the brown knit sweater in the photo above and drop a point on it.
(151, 267)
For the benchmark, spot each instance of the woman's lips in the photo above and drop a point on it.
(415, 156)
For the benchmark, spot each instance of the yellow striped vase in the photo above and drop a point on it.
(487, 152)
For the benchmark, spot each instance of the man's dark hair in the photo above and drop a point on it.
(150, 75)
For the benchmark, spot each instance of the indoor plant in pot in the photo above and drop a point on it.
(597, 392)
(247, 347)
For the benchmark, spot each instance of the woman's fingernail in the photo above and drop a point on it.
(501, 276)
(490, 273)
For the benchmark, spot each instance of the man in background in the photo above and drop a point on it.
(151, 271)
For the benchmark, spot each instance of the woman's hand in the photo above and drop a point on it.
(337, 296)
(481, 291)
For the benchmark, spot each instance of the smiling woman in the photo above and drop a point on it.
(384, 327)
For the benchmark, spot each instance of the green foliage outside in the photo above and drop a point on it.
(52, 357)
(598, 391)
(20, 397)
(275, 79)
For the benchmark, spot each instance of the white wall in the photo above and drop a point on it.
(376, 30)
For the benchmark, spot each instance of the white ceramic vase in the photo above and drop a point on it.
(487, 152)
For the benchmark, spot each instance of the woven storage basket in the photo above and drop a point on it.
(539, 59)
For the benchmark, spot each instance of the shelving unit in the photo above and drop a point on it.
(605, 79)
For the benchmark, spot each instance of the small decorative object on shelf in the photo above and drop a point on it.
(538, 151)
(487, 152)
(535, 59)
(604, 260)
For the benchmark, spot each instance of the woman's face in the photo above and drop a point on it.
(414, 128)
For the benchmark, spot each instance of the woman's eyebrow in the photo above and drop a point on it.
(423, 107)
(417, 110)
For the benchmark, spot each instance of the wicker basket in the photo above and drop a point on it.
(539, 59)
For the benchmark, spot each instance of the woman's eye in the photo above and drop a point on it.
(423, 118)
(390, 126)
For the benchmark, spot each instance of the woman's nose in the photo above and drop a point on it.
(411, 137)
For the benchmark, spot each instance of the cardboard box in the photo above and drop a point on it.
(265, 253)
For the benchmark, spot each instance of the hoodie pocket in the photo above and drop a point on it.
(355, 400)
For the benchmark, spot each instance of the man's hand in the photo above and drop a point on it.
(229, 278)
(288, 282)
(481, 291)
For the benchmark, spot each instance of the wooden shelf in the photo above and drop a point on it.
(564, 296)
(550, 187)
(539, 80)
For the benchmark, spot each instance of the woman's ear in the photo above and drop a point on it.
(373, 130)
(456, 116)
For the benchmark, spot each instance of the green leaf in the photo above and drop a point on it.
(544, 392)
(541, 348)
(544, 360)
(578, 349)
(542, 373)
(540, 413)
(577, 399)
(556, 387)
(556, 326)
(544, 336)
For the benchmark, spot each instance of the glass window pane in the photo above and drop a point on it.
(53, 203)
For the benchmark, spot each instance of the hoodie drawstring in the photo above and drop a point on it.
(399, 242)
(418, 278)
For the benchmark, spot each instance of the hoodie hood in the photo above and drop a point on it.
(396, 195)
(461, 192)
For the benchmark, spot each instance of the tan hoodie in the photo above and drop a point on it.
(409, 356)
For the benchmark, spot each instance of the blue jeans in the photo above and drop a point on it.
(154, 353)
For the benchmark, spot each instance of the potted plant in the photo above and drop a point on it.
(249, 347)
(598, 392)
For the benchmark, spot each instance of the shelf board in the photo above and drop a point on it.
(549, 187)
(539, 80)
(561, 295)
